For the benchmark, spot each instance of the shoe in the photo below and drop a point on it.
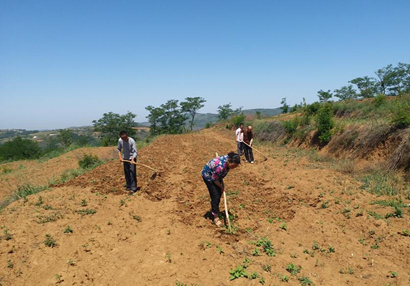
(252, 162)
(246, 161)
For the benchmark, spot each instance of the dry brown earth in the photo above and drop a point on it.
(160, 236)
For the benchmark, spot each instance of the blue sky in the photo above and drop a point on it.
(65, 63)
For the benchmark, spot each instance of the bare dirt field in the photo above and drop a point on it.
(295, 222)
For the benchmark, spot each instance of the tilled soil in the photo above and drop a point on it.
(306, 215)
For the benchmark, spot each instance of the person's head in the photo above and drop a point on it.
(250, 128)
(241, 125)
(124, 135)
(233, 160)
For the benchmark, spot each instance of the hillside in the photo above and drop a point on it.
(291, 214)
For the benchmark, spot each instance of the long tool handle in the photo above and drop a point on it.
(132, 162)
(255, 149)
(226, 213)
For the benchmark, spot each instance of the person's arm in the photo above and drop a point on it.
(119, 147)
(250, 142)
(220, 185)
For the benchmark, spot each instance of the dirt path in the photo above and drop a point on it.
(314, 217)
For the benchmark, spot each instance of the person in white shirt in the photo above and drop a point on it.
(239, 139)
(130, 153)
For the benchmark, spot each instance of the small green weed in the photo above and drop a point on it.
(304, 281)
(137, 218)
(293, 269)
(50, 241)
(40, 201)
(7, 235)
(68, 229)
(86, 212)
(238, 272)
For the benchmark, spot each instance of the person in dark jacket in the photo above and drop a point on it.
(248, 141)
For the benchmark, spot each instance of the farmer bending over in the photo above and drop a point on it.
(213, 173)
(129, 148)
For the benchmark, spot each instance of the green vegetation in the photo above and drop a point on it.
(19, 149)
(68, 229)
(50, 241)
(89, 162)
(111, 124)
(238, 272)
(325, 123)
(266, 245)
(171, 117)
(86, 212)
(293, 269)
(304, 281)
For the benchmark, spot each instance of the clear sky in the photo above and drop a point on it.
(65, 63)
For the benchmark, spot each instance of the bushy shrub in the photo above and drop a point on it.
(238, 119)
(401, 112)
(89, 161)
(208, 125)
(311, 109)
(291, 126)
(379, 100)
(19, 149)
(324, 122)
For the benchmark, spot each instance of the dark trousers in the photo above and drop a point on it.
(130, 172)
(215, 193)
(248, 153)
(240, 147)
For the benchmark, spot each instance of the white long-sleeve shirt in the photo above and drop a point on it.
(239, 135)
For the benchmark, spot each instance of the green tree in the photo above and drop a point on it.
(345, 92)
(173, 119)
(66, 137)
(285, 107)
(18, 149)
(155, 113)
(389, 80)
(191, 106)
(224, 111)
(82, 140)
(366, 85)
(403, 73)
(111, 124)
(324, 96)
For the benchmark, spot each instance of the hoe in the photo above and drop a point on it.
(266, 158)
(154, 172)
